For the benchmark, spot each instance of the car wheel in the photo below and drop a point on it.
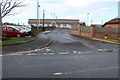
(18, 35)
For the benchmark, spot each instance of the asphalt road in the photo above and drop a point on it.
(67, 57)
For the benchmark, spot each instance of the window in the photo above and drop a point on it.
(10, 29)
(64, 25)
(3, 28)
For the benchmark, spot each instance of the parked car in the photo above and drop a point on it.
(26, 30)
(12, 31)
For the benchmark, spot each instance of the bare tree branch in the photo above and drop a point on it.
(4, 6)
(14, 13)
(9, 5)
(4, 9)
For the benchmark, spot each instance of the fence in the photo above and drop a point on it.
(101, 30)
(75, 27)
(85, 29)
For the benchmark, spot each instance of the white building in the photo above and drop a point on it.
(67, 23)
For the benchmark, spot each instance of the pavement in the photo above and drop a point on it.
(41, 41)
(105, 41)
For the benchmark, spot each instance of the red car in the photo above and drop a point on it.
(12, 31)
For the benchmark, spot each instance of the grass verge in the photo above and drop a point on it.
(16, 40)
(112, 40)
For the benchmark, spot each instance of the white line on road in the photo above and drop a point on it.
(32, 54)
(63, 53)
(57, 74)
(88, 70)
(88, 46)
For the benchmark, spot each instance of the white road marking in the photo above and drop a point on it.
(79, 52)
(51, 53)
(116, 50)
(88, 70)
(44, 53)
(63, 53)
(101, 50)
(89, 46)
(57, 74)
(74, 51)
(48, 50)
(31, 54)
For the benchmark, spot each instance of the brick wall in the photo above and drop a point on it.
(112, 36)
(85, 34)
(75, 32)
(95, 32)
(40, 29)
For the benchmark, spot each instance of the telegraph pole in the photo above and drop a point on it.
(43, 20)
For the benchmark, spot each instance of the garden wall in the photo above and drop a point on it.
(96, 32)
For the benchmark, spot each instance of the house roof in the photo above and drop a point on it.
(113, 21)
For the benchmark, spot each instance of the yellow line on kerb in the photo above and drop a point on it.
(44, 48)
(23, 52)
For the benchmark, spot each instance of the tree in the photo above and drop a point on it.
(7, 6)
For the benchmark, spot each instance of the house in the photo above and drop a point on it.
(56, 22)
(114, 23)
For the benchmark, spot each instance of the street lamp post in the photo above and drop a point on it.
(43, 20)
(87, 19)
(102, 22)
(38, 15)
(91, 21)
(54, 15)
(119, 9)
(56, 22)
